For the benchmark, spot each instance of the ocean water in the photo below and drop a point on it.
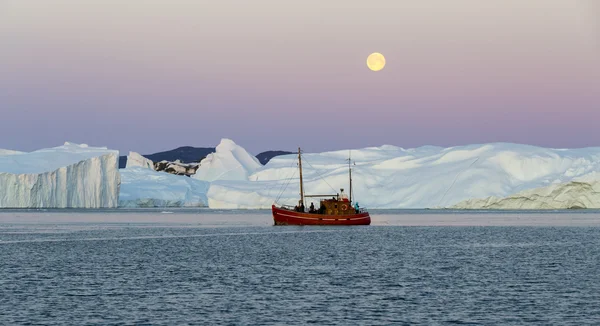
(202, 267)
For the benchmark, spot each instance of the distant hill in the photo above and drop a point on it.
(188, 154)
(265, 157)
(185, 154)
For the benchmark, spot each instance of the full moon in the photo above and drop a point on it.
(376, 61)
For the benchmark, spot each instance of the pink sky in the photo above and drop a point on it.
(154, 75)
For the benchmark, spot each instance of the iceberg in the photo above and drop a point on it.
(68, 176)
(582, 192)
(187, 169)
(142, 187)
(136, 160)
(229, 162)
(496, 176)
(394, 177)
(9, 152)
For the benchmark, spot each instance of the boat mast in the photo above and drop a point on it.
(350, 173)
(301, 182)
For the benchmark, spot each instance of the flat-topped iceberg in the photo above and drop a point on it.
(68, 176)
(394, 177)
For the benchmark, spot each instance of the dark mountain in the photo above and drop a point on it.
(188, 154)
(265, 157)
(185, 154)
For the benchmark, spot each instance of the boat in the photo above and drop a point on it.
(334, 209)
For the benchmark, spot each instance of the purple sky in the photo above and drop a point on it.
(271, 74)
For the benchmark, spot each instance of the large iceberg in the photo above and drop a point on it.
(229, 162)
(497, 175)
(394, 177)
(143, 187)
(68, 176)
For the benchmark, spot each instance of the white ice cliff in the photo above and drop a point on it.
(68, 176)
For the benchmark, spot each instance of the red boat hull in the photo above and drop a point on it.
(288, 217)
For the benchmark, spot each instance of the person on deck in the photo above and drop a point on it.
(343, 195)
(322, 209)
(356, 207)
(302, 208)
(311, 209)
(299, 206)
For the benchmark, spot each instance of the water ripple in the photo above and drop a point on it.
(263, 275)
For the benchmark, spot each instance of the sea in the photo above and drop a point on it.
(211, 267)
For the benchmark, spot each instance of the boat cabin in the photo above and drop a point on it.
(336, 205)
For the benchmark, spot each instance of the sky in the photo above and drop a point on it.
(147, 75)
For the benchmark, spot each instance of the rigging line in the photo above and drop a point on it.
(283, 183)
(456, 178)
(270, 188)
(320, 175)
(283, 187)
(276, 183)
(227, 171)
(286, 185)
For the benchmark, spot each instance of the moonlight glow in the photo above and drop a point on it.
(376, 61)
